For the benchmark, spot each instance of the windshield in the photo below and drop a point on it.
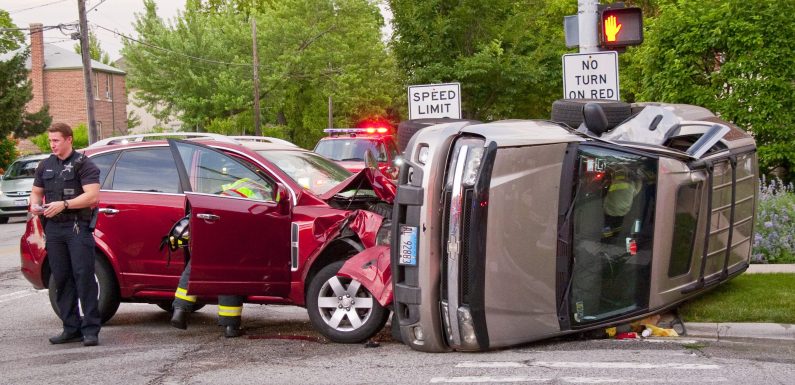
(22, 169)
(312, 171)
(343, 150)
(613, 223)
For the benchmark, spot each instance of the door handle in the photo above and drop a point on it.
(208, 217)
(108, 211)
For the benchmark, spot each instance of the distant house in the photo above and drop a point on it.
(56, 75)
(148, 121)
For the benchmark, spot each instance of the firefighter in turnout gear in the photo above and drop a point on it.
(230, 307)
(623, 186)
(67, 184)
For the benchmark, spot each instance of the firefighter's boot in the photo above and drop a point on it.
(179, 319)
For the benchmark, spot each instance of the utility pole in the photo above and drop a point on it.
(330, 113)
(92, 123)
(257, 123)
(588, 21)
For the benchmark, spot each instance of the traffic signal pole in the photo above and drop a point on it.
(588, 24)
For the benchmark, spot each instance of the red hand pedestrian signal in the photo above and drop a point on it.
(620, 27)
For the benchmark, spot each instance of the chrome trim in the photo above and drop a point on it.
(454, 245)
(294, 243)
(109, 211)
(208, 217)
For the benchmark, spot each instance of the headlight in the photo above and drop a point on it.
(422, 155)
(472, 148)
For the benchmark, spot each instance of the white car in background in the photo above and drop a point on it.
(15, 186)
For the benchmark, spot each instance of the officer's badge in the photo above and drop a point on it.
(68, 167)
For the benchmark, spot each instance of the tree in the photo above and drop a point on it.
(199, 65)
(94, 49)
(735, 58)
(505, 53)
(15, 88)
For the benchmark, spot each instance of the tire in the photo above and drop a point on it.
(167, 306)
(324, 306)
(109, 298)
(382, 209)
(569, 111)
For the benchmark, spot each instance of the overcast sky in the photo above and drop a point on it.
(115, 15)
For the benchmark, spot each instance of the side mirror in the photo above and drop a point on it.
(595, 118)
(282, 198)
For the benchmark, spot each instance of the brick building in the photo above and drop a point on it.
(56, 75)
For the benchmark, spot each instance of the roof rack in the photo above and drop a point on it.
(161, 136)
(262, 139)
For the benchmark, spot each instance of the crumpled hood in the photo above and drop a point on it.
(365, 179)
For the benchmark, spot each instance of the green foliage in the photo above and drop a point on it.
(95, 51)
(15, 88)
(747, 298)
(80, 138)
(734, 59)
(505, 53)
(9, 40)
(309, 50)
(8, 152)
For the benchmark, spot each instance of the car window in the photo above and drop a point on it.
(104, 162)
(151, 169)
(343, 150)
(313, 172)
(23, 168)
(211, 172)
(613, 214)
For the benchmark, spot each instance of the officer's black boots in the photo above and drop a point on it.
(65, 337)
(232, 331)
(90, 340)
(179, 319)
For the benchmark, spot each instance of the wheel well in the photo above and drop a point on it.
(339, 250)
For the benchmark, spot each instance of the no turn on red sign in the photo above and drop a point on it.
(435, 101)
(590, 75)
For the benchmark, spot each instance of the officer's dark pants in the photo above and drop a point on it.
(230, 307)
(70, 251)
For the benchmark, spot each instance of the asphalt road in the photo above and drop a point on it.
(139, 347)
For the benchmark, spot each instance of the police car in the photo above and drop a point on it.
(347, 146)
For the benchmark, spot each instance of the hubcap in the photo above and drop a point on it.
(344, 304)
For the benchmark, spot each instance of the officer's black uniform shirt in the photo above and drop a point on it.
(87, 174)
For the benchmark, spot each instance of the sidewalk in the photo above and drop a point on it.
(747, 330)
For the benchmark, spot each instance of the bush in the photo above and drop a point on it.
(80, 138)
(8, 153)
(775, 223)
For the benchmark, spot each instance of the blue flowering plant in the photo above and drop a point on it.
(775, 223)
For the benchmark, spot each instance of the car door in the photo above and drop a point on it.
(239, 231)
(139, 200)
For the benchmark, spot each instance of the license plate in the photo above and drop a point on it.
(21, 202)
(408, 246)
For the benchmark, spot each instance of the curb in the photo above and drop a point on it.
(757, 268)
(741, 330)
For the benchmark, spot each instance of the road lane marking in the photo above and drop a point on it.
(571, 380)
(17, 295)
(623, 365)
(490, 364)
(487, 379)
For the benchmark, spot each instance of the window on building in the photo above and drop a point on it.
(108, 87)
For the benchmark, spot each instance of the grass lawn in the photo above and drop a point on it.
(747, 298)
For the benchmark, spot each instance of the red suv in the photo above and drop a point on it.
(285, 248)
(347, 146)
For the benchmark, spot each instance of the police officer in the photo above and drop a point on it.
(230, 307)
(68, 182)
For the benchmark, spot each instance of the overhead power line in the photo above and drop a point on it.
(37, 6)
(123, 36)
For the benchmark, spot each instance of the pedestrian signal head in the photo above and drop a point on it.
(620, 27)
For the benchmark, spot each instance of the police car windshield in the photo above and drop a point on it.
(350, 150)
(22, 169)
(312, 171)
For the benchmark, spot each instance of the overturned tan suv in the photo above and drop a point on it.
(518, 230)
